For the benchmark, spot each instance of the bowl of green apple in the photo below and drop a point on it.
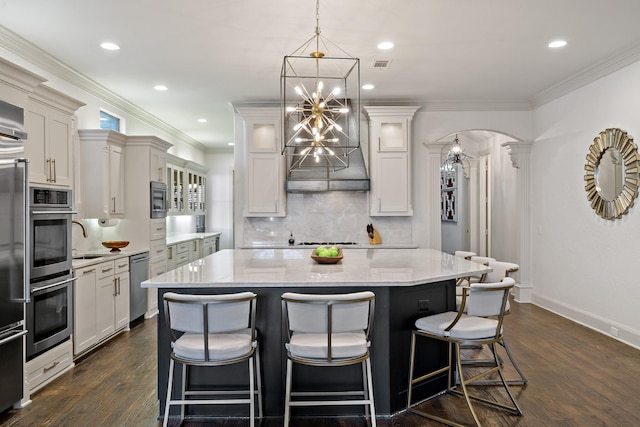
(327, 255)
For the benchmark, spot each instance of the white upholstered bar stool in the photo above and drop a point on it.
(500, 271)
(484, 304)
(329, 331)
(466, 255)
(213, 331)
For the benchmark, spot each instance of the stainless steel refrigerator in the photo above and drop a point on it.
(14, 266)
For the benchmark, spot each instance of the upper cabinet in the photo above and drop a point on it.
(186, 186)
(102, 157)
(265, 174)
(50, 127)
(390, 162)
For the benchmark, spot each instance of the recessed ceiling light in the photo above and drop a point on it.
(368, 86)
(202, 120)
(385, 45)
(110, 46)
(231, 143)
(160, 87)
(558, 43)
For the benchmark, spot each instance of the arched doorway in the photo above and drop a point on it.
(484, 196)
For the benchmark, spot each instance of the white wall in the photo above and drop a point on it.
(584, 267)
(220, 196)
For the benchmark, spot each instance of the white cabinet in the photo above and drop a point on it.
(210, 245)
(145, 161)
(186, 186)
(85, 331)
(101, 303)
(194, 249)
(390, 160)
(103, 169)
(48, 366)
(265, 166)
(122, 293)
(175, 189)
(50, 129)
(196, 189)
(158, 165)
(182, 253)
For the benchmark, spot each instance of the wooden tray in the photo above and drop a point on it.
(327, 259)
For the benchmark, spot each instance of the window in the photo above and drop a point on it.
(109, 121)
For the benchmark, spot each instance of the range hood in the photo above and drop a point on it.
(315, 179)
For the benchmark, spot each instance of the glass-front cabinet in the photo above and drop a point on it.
(186, 186)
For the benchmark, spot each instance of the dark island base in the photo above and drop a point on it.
(396, 310)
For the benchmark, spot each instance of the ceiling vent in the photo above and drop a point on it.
(381, 64)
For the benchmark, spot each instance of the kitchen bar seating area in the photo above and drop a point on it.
(88, 394)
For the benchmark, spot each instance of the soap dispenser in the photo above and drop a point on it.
(291, 240)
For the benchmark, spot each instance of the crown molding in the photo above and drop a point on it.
(589, 75)
(38, 57)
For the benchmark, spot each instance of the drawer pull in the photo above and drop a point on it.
(104, 270)
(48, 368)
(93, 270)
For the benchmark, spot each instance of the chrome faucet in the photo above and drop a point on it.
(84, 230)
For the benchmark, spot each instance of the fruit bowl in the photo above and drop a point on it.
(115, 245)
(327, 259)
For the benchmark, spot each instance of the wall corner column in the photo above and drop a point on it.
(520, 154)
(433, 194)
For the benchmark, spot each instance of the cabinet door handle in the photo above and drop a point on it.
(379, 144)
(55, 175)
(115, 286)
(48, 171)
(114, 205)
(48, 368)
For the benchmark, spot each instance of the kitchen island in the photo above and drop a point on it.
(408, 283)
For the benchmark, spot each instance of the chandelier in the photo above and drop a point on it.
(455, 155)
(320, 102)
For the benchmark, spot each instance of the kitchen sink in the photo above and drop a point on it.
(87, 256)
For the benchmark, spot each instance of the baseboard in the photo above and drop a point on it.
(597, 323)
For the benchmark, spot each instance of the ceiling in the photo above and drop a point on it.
(448, 54)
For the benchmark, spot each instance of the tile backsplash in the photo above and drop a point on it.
(338, 216)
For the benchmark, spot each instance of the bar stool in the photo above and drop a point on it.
(466, 255)
(329, 331)
(481, 325)
(500, 271)
(213, 331)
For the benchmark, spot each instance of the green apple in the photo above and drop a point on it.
(333, 251)
(320, 249)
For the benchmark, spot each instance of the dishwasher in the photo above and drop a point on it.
(138, 273)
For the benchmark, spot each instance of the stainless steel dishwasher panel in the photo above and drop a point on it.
(138, 273)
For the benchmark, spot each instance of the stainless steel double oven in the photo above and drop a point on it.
(49, 316)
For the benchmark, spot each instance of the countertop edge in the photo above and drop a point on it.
(81, 263)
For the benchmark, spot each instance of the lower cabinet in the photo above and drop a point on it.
(183, 253)
(101, 303)
(210, 245)
(43, 369)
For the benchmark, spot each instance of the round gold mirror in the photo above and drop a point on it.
(612, 173)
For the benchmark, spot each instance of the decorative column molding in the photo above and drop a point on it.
(520, 153)
(474, 205)
(435, 229)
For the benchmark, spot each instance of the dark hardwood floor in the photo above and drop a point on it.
(577, 377)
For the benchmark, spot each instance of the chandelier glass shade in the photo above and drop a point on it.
(320, 102)
(455, 156)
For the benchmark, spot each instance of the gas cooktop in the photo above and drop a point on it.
(327, 243)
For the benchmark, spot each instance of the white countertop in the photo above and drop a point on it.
(185, 237)
(272, 267)
(105, 255)
(357, 246)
